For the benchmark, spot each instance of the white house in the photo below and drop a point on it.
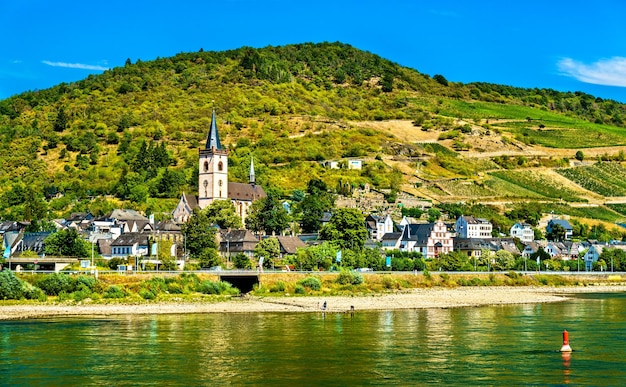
(378, 226)
(470, 227)
(130, 244)
(523, 231)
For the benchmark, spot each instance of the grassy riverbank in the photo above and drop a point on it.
(202, 287)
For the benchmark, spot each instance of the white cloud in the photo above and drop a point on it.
(74, 65)
(607, 72)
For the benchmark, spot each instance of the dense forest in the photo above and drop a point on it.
(130, 135)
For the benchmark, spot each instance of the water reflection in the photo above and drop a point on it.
(504, 345)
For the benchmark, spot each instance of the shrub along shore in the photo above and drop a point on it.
(43, 295)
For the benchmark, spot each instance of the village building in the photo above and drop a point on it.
(213, 183)
(470, 227)
(233, 242)
(522, 231)
(378, 226)
(289, 245)
(569, 230)
(595, 251)
(429, 239)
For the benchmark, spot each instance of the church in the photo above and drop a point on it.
(213, 181)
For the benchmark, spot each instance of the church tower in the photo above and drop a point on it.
(212, 169)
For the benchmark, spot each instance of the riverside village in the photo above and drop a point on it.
(126, 240)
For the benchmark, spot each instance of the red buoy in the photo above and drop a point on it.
(566, 347)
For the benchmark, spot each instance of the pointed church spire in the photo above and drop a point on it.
(213, 141)
(252, 178)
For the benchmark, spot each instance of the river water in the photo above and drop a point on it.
(496, 345)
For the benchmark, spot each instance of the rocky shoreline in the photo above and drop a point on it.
(437, 297)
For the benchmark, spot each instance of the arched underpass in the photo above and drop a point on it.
(244, 282)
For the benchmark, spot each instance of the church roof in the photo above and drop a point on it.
(245, 192)
(192, 201)
(213, 141)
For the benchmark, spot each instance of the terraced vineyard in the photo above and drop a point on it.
(621, 208)
(604, 178)
(540, 182)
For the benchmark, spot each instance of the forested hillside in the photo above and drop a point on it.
(130, 135)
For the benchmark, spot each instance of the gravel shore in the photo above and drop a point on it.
(412, 299)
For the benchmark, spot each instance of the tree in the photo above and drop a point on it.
(313, 205)
(67, 243)
(241, 261)
(557, 233)
(433, 214)
(267, 215)
(269, 249)
(615, 259)
(453, 261)
(346, 228)
(541, 254)
(223, 213)
(580, 156)
(387, 82)
(504, 260)
(61, 121)
(164, 254)
(315, 257)
(440, 79)
(200, 239)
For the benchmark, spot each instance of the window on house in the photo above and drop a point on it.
(206, 166)
(220, 166)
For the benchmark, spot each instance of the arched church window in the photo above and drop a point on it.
(206, 166)
(220, 166)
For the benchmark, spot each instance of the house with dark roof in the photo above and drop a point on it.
(429, 239)
(531, 248)
(569, 230)
(130, 244)
(378, 226)
(473, 247)
(392, 240)
(29, 241)
(289, 244)
(237, 241)
(11, 226)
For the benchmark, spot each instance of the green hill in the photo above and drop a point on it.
(130, 135)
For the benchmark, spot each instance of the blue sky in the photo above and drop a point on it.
(564, 45)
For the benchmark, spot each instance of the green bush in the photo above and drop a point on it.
(88, 281)
(11, 287)
(55, 284)
(390, 283)
(278, 287)
(146, 294)
(82, 293)
(220, 287)
(349, 278)
(114, 292)
(300, 289)
(312, 283)
(155, 285)
(175, 288)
